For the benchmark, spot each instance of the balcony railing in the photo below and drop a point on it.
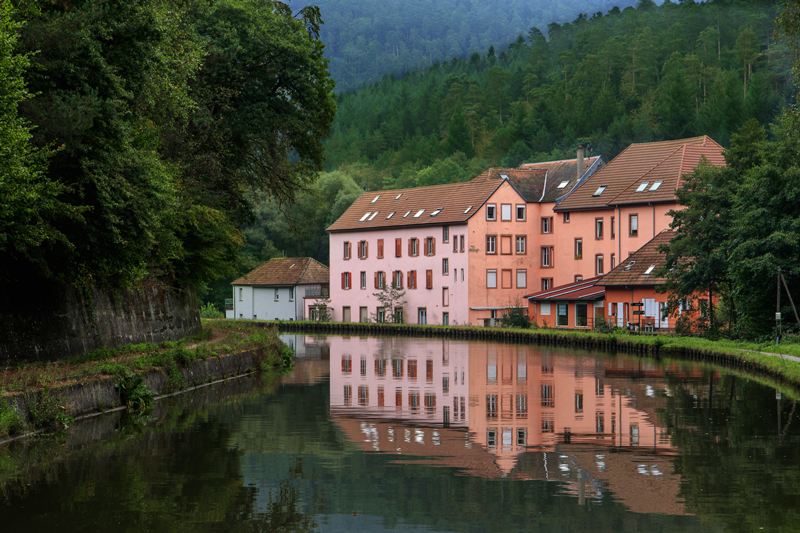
(318, 292)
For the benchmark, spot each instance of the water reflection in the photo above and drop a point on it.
(482, 408)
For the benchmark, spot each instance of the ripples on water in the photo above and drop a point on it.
(427, 435)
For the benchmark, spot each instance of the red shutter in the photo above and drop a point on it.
(343, 273)
(398, 247)
(409, 247)
(366, 249)
(433, 245)
(429, 279)
(408, 275)
(376, 280)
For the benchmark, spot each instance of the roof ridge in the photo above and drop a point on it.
(651, 169)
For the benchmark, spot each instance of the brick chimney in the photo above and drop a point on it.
(580, 161)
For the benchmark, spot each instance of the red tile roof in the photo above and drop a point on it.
(372, 209)
(665, 161)
(633, 270)
(559, 172)
(287, 271)
(579, 290)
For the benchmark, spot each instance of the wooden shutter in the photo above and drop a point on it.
(343, 273)
(433, 245)
(366, 249)
(429, 279)
(398, 247)
(380, 248)
(376, 280)
(408, 279)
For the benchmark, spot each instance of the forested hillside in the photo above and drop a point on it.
(366, 39)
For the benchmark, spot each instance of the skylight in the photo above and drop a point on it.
(365, 216)
(642, 186)
(628, 266)
(656, 185)
(563, 184)
(375, 199)
(599, 190)
(649, 269)
(419, 213)
(467, 211)
(437, 212)
(505, 177)
(391, 215)
(398, 196)
(407, 213)
(373, 215)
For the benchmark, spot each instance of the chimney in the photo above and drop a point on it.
(580, 161)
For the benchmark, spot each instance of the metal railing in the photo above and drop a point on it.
(318, 292)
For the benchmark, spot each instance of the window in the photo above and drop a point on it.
(380, 280)
(548, 396)
(467, 210)
(373, 215)
(547, 284)
(455, 244)
(380, 313)
(491, 244)
(563, 185)
(505, 279)
(412, 279)
(430, 246)
(366, 215)
(642, 186)
(491, 279)
(547, 224)
(380, 248)
(491, 212)
(598, 228)
(429, 279)
(562, 319)
(598, 264)
(445, 267)
(391, 215)
(363, 280)
(505, 212)
(445, 297)
(347, 251)
(462, 274)
(646, 272)
(445, 319)
(656, 185)
(578, 401)
(461, 240)
(578, 278)
(346, 280)
(547, 256)
(634, 225)
(522, 279)
(240, 293)
(445, 233)
(398, 247)
(413, 247)
(581, 316)
(363, 314)
(613, 231)
(578, 248)
(362, 249)
(277, 295)
(422, 314)
(613, 261)
(599, 190)
(520, 212)
(291, 294)
(566, 217)
(419, 213)
(346, 314)
(437, 211)
(521, 242)
(397, 279)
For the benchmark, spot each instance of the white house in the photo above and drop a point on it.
(277, 289)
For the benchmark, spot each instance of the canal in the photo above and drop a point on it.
(395, 433)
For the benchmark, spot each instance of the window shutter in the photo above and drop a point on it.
(366, 249)
(408, 281)
(398, 247)
(409, 247)
(433, 246)
(343, 279)
(376, 280)
(429, 279)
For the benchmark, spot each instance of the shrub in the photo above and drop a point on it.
(46, 410)
(133, 393)
(210, 311)
(10, 419)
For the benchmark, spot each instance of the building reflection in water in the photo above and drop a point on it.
(501, 410)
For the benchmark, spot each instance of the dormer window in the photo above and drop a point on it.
(375, 199)
(391, 215)
(656, 185)
(407, 213)
(649, 270)
(368, 213)
(629, 265)
(373, 215)
(642, 186)
(563, 184)
(599, 190)
(468, 210)
(419, 213)
(436, 212)
(398, 196)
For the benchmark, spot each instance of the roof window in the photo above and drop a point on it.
(373, 215)
(439, 210)
(656, 185)
(419, 213)
(563, 184)
(468, 209)
(505, 177)
(398, 196)
(365, 216)
(649, 269)
(642, 186)
(407, 213)
(391, 215)
(375, 199)
(629, 265)
(599, 190)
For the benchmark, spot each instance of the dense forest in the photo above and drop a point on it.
(366, 39)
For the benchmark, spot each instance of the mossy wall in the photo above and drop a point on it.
(47, 321)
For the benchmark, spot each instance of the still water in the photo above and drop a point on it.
(385, 434)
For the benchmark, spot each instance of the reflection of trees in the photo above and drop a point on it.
(740, 451)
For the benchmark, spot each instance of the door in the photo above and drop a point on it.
(423, 316)
(346, 314)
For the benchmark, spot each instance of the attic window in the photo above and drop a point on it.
(599, 190)
(505, 177)
(563, 184)
(642, 186)
(628, 266)
(365, 216)
(373, 215)
(375, 199)
(391, 215)
(656, 185)
(398, 196)
(649, 269)
(292, 266)
(419, 213)
(437, 212)
(468, 209)
(407, 213)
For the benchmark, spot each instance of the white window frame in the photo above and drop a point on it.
(491, 211)
(491, 279)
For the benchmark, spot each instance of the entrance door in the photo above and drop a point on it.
(346, 314)
(423, 316)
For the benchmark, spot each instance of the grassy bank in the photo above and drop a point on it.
(41, 387)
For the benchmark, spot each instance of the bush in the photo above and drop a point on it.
(46, 410)
(10, 419)
(210, 311)
(515, 318)
(133, 393)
